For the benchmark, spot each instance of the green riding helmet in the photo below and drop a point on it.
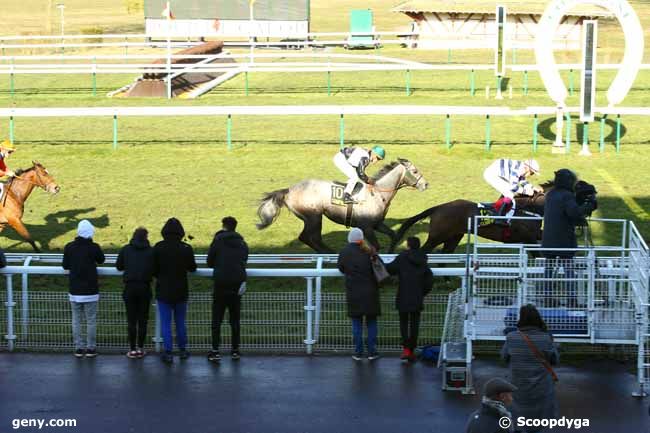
(379, 151)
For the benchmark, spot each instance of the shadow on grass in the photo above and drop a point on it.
(56, 224)
(577, 129)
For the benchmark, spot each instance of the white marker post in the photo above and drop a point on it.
(251, 4)
(167, 13)
(588, 80)
(499, 52)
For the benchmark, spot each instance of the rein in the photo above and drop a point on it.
(400, 184)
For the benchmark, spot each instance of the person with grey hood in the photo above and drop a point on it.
(80, 258)
(493, 416)
(415, 282)
(136, 261)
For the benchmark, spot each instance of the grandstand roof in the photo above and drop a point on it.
(534, 7)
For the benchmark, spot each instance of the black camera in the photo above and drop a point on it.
(586, 193)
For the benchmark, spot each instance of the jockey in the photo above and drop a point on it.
(509, 177)
(6, 149)
(353, 161)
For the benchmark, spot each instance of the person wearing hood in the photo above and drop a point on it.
(415, 282)
(561, 216)
(361, 292)
(136, 261)
(80, 258)
(172, 260)
(493, 416)
(227, 257)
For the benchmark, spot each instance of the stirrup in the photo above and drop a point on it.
(348, 199)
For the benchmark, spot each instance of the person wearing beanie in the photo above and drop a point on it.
(172, 260)
(493, 416)
(136, 261)
(361, 292)
(80, 258)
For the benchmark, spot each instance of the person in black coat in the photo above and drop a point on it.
(415, 282)
(3, 259)
(361, 292)
(227, 257)
(562, 214)
(80, 258)
(493, 416)
(172, 260)
(136, 260)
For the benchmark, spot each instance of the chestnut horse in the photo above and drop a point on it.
(17, 191)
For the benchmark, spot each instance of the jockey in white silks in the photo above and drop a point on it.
(353, 161)
(509, 178)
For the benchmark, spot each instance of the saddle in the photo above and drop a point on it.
(338, 193)
(491, 209)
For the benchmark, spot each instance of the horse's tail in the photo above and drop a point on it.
(407, 224)
(270, 207)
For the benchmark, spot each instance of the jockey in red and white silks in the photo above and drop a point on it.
(509, 178)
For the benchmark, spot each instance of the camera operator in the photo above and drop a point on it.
(562, 213)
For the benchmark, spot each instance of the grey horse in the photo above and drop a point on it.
(310, 199)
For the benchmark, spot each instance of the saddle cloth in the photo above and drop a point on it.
(358, 193)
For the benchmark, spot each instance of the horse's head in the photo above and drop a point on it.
(412, 176)
(39, 176)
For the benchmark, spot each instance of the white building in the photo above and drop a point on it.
(453, 24)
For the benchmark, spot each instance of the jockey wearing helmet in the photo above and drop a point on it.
(353, 161)
(509, 177)
(6, 149)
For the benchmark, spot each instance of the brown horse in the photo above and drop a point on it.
(17, 191)
(448, 223)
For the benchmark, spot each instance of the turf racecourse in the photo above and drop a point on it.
(180, 166)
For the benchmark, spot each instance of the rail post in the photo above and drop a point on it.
(408, 82)
(24, 316)
(319, 282)
(525, 83)
(618, 133)
(12, 83)
(94, 76)
(11, 129)
(535, 128)
(568, 132)
(114, 131)
(246, 81)
(487, 132)
(11, 337)
(341, 131)
(309, 312)
(229, 132)
(448, 55)
(571, 82)
(601, 145)
(472, 83)
(448, 131)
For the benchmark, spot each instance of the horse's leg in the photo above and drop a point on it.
(20, 228)
(369, 235)
(383, 228)
(316, 235)
(451, 243)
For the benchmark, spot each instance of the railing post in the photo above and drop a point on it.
(525, 83)
(408, 82)
(309, 312)
(11, 337)
(602, 133)
(487, 132)
(472, 83)
(157, 339)
(12, 84)
(591, 293)
(319, 282)
(618, 133)
(229, 132)
(114, 131)
(448, 131)
(246, 81)
(568, 132)
(11, 129)
(571, 82)
(535, 127)
(342, 131)
(25, 299)
(94, 77)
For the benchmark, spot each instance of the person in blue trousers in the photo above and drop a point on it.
(173, 259)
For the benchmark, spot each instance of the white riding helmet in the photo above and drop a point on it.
(533, 165)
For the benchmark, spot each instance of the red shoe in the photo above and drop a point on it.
(412, 357)
(405, 353)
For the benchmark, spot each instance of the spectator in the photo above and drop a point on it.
(361, 292)
(227, 257)
(531, 352)
(136, 260)
(81, 258)
(497, 394)
(172, 260)
(415, 282)
(561, 216)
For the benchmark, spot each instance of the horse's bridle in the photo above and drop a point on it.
(40, 183)
(400, 184)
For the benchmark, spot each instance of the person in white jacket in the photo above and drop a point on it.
(510, 177)
(353, 161)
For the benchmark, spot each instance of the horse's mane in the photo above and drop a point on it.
(385, 170)
(21, 171)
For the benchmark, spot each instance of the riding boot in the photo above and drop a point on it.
(347, 198)
(502, 212)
